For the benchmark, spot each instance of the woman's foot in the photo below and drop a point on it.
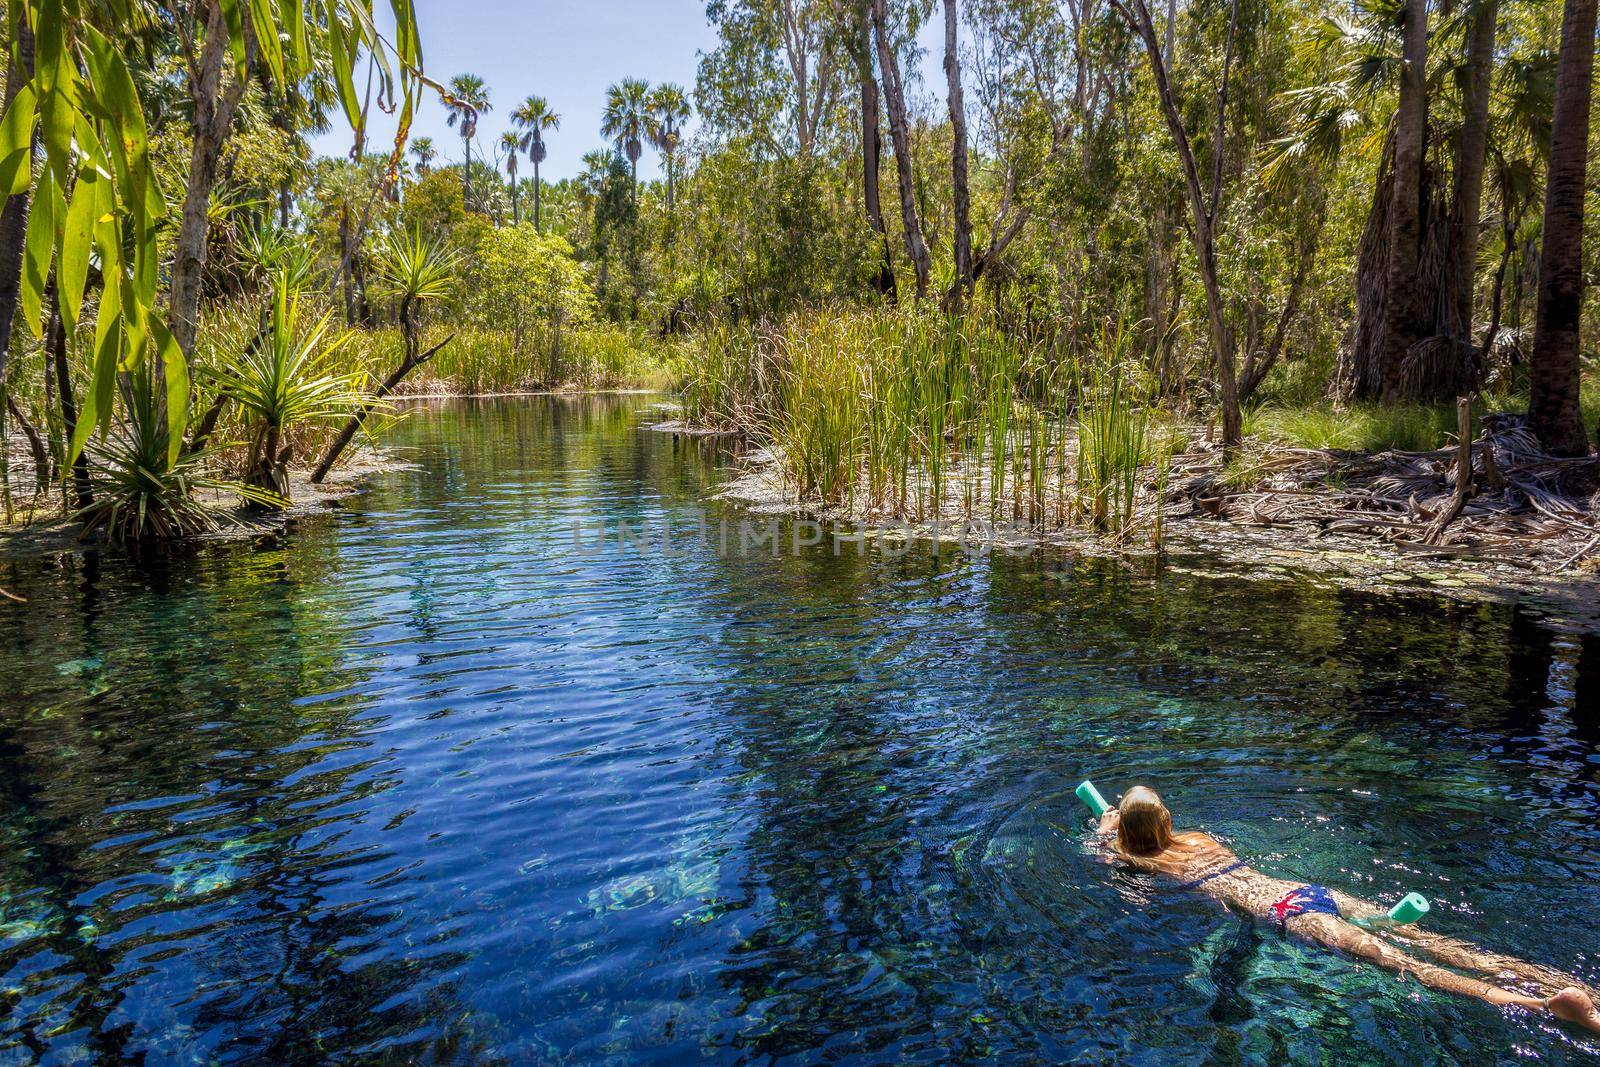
(1573, 1005)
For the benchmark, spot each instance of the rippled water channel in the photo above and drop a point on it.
(427, 780)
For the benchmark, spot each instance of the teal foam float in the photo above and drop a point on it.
(1091, 796)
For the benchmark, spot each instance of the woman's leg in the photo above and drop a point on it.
(1571, 1004)
(1453, 952)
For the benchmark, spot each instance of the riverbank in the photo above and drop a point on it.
(56, 533)
(1298, 515)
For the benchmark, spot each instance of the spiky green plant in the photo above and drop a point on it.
(294, 376)
(144, 489)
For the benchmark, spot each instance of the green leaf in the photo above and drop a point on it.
(16, 143)
(77, 238)
(407, 41)
(234, 18)
(344, 73)
(38, 247)
(96, 410)
(176, 371)
(292, 16)
(57, 75)
(265, 21)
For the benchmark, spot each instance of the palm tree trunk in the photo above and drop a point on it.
(516, 201)
(466, 175)
(958, 160)
(1471, 156)
(900, 134)
(1553, 410)
(538, 222)
(1405, 308)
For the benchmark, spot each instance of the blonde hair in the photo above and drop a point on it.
(1146, 825)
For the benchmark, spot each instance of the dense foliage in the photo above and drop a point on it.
(1227, 206)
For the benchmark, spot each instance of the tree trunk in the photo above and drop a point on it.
(538, 221)
(69, 404)
(466, 173)
(958, 160)
(214, 108)
(1471, 156)
(1406, 299)
(345, 242)
(1222, 338)
(516, 201)
(348, 432)
(871, 149)
(900, 133)
(1553, 410)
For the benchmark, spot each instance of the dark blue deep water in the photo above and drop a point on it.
(423, 781)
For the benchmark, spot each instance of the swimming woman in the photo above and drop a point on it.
(1141, 829)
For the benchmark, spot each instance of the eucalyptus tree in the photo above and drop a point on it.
(533, 117)
(626, 121)
(1204, 205)
(468, 100)
(511, 145)
(669, 110)
(779, 70)
(900, 134)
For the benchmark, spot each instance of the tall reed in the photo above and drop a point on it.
(911, 414)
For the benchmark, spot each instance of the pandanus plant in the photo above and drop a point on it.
(144, 486)
(533, 117)
(292, 376)
(412, 271)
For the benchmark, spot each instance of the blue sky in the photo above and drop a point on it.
(567, 51)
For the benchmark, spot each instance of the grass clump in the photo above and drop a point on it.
(1361, 427)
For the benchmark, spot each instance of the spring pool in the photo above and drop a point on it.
(434, 778)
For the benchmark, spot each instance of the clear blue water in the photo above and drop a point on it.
(421, 781)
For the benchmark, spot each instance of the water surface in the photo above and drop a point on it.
(425, 780)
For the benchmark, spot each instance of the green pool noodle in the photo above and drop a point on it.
(1412, 907)
(1097, 803)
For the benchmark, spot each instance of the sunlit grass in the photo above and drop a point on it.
(478, 361)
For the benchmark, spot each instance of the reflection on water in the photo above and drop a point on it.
(422, 781)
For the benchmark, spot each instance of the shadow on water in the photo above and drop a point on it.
(458, 775)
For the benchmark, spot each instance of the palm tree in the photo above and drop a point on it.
(512, 144)
(423, 149)
(533, 117)
(469, 98)
(627, 119)
(1554, 412)
(669, 110)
